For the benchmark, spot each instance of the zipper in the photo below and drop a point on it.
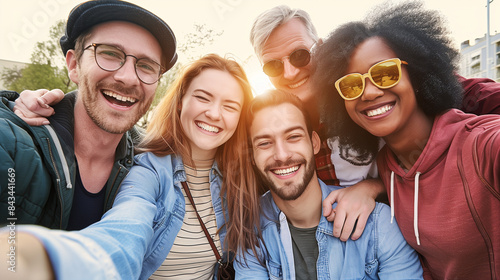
(58, 180)
(64, 165)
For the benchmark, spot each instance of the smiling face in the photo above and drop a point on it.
(285, 39)
(283, 152)
(390, 113)
(210, 112)
(116, 100)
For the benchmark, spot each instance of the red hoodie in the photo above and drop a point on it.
(456, 186)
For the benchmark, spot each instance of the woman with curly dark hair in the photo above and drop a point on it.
(393, 76)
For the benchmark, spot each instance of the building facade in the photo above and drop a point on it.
(473, 61)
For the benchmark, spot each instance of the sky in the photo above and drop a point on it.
(23, 23)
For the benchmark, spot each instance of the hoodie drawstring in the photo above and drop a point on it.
(415, 204)
(392, 196)
(415, 209)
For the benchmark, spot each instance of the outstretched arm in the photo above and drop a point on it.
(33, 106)
(115, 246)
(354, 205)
(26, 257)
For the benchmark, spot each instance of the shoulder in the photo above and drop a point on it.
(153, 165)
(17, 134)
(136, 134)
(469, 121)
(461, 128)
(269, 211)
(380, 218)
(267, 204)
(6, 110)
(8, 95)
(327, 189)
(480, 96)
(65, 112)
(9, 129)
(384, 227)
(162, 166)
(150, 174)
(382, 211)
(14, 142)
(469, 127)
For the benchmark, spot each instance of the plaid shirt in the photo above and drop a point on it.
(324, 165)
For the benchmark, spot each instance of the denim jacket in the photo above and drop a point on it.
(380, 253)
(133, 238)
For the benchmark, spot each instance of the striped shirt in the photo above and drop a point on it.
(191, 256)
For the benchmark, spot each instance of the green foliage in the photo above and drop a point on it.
(46, 70)
(36, 76)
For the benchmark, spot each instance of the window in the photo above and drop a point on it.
(475, 68)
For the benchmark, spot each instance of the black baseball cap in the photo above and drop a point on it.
(90, 13)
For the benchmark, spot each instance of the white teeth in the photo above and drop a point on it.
(379, 111)
(119, 97)
(286, 171)
(207, 127)
(301, 82)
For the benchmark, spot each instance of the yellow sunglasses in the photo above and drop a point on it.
(383, 75)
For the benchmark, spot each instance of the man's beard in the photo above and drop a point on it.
(291, 190)
(116, 122)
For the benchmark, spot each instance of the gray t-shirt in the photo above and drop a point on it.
(305, 252)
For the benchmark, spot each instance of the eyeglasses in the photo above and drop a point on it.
(298, 58)
(110, 58)
(383, 75)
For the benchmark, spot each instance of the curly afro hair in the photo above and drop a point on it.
(417, 36)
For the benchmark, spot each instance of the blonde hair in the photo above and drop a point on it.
(165, 136)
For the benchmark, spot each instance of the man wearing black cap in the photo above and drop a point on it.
(66, 174)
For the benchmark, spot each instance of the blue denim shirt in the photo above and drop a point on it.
(134, 237)
(380, 253)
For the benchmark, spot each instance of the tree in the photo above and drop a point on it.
(47, 68)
